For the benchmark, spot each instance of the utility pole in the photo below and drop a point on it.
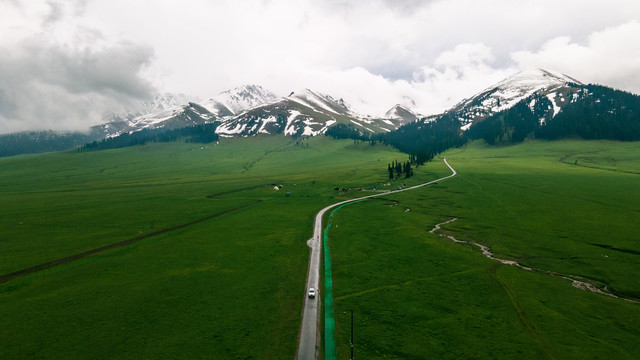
(351, 341)
(351, 334)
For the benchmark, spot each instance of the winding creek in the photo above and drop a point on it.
(576, 281)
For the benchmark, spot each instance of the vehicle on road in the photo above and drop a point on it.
(312, 292)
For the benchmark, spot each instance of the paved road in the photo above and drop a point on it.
(308, 344)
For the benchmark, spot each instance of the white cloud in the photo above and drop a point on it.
(457, 73)
(55, 73)
(610, 57)
(430, 53)
(47, 86)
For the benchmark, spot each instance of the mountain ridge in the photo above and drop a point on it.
(511, 90)
(538, 96)
(234, 101)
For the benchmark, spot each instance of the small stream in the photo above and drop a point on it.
(576, 281)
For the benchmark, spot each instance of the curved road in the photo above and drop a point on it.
(308, 344)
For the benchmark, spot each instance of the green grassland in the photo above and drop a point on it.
(232, 286)
(417, 295)
(228, 287)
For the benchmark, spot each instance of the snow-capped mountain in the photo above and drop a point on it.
(234, 101)
(400, 112)
(170, 118)
(172, 111)
(302, 113)
(546, 105)
(163, 102)
(530, 104)
(341, 112)
(160, 103)
(320, 102)
(558, 88)
(251, 110)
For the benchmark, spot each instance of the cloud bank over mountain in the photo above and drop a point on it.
(69, 62)
(47, 84)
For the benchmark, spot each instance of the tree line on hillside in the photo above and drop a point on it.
(597, 112)
(421, 140)
(41, 141)
(348, 131)
(205, 133)
(604, 113)
(508, 126)
(424, 140)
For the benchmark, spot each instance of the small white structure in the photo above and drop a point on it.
(276, 188)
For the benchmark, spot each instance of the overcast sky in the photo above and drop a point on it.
(64, 64)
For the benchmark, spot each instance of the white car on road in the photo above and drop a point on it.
(312, 292)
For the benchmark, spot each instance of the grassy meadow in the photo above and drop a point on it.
(569, 207)
(230, 287)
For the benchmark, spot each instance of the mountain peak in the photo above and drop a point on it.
(320, 102)
(399, 106)
(165, 101)
(510, 91)
(239, 99)
(401, 112)
(247, 89)
(533, 79)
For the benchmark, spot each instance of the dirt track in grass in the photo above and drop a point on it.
(43, 266)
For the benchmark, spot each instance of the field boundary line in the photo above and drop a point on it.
(84, 254)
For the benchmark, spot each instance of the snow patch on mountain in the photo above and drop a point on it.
(238, 100)
(556, 108)
(290, 130)
(270, 119)
(226, 129)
